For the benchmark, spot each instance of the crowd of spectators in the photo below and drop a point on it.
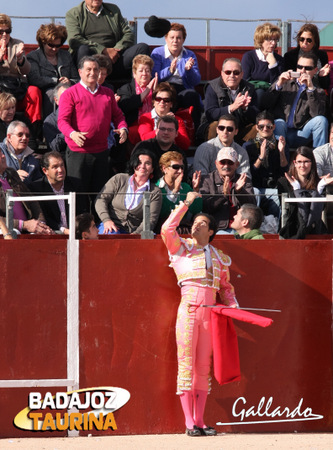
(109, 120)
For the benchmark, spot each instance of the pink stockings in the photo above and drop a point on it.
(194, 345)
(193, 405)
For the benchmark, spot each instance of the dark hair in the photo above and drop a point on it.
(58, 87)
(265, 115)
(313, 177)
(85, 59)
(135, 161)
(168, 119)
(308, 55)
(229, 117)
(310, 28)
(45, 161)
(253, 214)
(82, 224)
(103, 62)
(166, 87)
(212, 225)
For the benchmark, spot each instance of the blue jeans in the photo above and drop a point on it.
(271, 202)
(101, 230)
(316, 129)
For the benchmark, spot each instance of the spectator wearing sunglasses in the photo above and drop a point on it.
(50, 64)
(164, 98)
(268, 162)
(206, 153)
(19, 155)
(231, 94)
(174, 190)
(268, 156)
(298, 106)
(308, 41)
(14, 66)
(224, 191)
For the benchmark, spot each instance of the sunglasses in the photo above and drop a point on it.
(177, 166)
(19, 135)
(303, 39)
(234, 72)
(304, 67)
(8, 31)
(54, 45)
(226, 162)
(222, 128)
(269, 127)
(161, 99)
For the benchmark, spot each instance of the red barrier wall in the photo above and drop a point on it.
(210, 58)
(128, 303)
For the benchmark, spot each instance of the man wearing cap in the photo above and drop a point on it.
(206, 153)
(233, 190)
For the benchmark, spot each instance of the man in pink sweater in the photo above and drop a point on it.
(86, 111)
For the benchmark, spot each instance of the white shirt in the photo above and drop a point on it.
(134, 197)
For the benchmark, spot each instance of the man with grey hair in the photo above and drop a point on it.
(53, 136)
(230, 94)
(19, 155)
(247, 222)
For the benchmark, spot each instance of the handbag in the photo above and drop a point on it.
(14, 86)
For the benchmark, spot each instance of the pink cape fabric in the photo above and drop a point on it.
(225, 344)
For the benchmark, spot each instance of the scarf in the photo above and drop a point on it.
(147, 104)
(270, 146)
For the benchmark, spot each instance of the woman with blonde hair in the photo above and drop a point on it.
(8, 114)
(136, 98)
(263, 65)
(174, 190)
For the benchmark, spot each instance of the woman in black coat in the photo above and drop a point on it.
(308, 41)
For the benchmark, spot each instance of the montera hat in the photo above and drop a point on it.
(156, 27)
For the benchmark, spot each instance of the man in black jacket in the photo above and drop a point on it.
(224, 191)
(230, 94)
(56, 182)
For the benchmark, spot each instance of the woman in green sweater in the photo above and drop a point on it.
(174, 190)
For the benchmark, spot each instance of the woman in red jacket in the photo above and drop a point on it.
(164, 98)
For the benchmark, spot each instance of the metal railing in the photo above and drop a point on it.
(285, 25)
(146, 233)
(11, 199)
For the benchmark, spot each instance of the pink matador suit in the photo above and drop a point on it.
(198, 287)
